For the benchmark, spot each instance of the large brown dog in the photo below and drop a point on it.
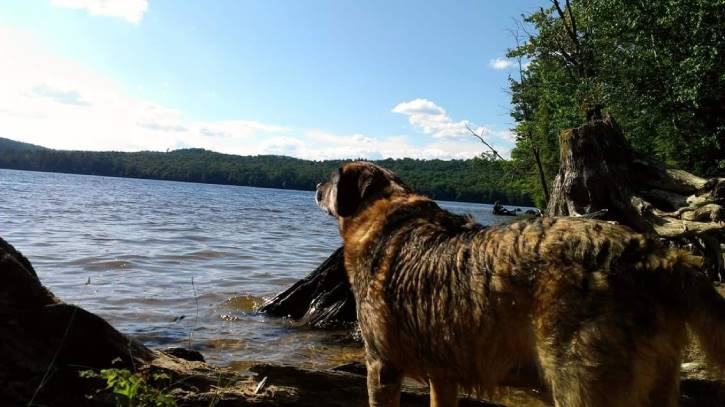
(603, 311)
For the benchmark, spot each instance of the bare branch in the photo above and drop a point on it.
(569, 28)
(573, 23)
(495, 153)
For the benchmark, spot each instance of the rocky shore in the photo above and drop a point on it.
(53, 354)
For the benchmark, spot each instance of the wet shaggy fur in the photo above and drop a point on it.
(602, 311)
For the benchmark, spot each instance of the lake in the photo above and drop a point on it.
(179, 264)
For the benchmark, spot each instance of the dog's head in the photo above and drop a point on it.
(356, 185)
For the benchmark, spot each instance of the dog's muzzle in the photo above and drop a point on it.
(318, 194)
(319, 199)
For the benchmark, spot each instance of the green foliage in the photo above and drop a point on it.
(475, 180)
(657, 66)
(132, 389)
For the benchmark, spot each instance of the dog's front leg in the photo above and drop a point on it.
(384, 381)
(443, 393)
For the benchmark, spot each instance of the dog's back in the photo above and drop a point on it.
(601, 310)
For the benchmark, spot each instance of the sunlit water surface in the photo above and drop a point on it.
(181, 264)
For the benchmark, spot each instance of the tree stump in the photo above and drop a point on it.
(601, 176)
(323, 299)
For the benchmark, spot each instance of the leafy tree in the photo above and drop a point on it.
(659, 67)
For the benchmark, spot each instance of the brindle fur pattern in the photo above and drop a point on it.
(601, 310)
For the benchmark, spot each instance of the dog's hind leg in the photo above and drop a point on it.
(587, 363)
(384, 382)
(665, 392)
(443, 393)
(574, 384)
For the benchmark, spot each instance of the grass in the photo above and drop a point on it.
(129, 389)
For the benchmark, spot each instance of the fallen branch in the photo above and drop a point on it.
(480, 137)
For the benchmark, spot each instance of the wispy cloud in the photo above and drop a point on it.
(68, 97)
(321, 145)
(129, 10)
(501, 63)
(55, 102)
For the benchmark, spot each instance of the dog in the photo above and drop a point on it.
(602, 311)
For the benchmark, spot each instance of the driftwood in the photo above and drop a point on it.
(323, 299)
(601, 176)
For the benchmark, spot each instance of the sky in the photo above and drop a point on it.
(310, 79)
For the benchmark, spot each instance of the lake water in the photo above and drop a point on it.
(174, 263)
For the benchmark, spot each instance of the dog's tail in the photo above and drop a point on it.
(688, 289)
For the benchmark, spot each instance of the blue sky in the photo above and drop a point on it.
(311, 79)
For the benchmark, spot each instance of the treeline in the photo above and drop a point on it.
(657, 66)
(473, 180)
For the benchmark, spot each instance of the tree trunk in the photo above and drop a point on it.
(542, 177)
(601, 176)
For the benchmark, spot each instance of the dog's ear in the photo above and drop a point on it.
(355, 185)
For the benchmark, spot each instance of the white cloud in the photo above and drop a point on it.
(129, 10)
(431, 119)
(54, 102)
(335, 146)
(500, 63)
(69, 97)
(419, 106)
(239, 129)
(506, 135)
(57, 103)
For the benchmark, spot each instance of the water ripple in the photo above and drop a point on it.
(165, 260)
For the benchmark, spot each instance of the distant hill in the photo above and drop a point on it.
(472, 180)
(7, 144)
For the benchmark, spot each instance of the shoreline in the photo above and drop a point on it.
(48, 344)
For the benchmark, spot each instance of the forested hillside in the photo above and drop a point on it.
(474, 180)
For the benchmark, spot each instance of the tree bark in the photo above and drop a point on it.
(601, 176)
(542, 177)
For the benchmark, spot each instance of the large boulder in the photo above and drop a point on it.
(44, 342)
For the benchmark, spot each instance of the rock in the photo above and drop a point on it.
(186, 354)
(45, 344)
